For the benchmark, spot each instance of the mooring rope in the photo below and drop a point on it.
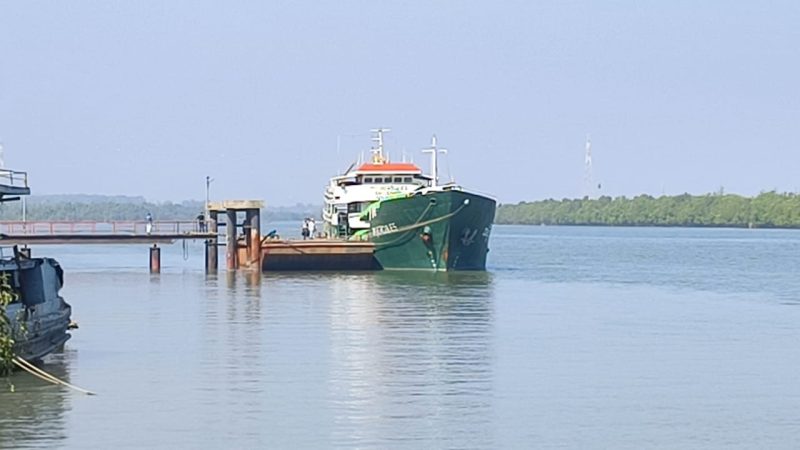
(401, 229)
(41, 374)
(419, 224)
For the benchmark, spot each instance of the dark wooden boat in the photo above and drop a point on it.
(39, 317)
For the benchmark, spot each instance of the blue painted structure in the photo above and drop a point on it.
(39, 316)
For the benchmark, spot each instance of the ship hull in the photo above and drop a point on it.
(39, 318)
(439, 230)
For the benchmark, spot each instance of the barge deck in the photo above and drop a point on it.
(317, 254)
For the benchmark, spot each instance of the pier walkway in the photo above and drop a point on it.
(99, 232)
(241, 239)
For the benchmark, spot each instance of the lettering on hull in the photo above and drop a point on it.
(380, 230)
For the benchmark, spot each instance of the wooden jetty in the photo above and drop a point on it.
(154, 232)
(232, 210)
(241, 250)
(99, 232)
(244, 246)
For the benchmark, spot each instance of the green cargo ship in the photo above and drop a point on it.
(414, 222)
(434, 229)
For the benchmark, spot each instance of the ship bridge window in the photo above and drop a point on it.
(398, 179)
(356, 207)
(368, 180)
(408, 179)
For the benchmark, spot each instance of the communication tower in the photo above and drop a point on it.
(588, 178)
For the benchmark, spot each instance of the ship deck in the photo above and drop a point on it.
(317, 254)
(13, 184)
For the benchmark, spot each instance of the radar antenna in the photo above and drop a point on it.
(377, 151)
(434, 160)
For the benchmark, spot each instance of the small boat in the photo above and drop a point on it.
(413, 221)
(39, 317)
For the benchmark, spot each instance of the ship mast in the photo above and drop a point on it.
(377, 151)
(434, 160)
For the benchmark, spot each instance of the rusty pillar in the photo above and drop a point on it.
(231, 242)
(212, 261)
(254, 237)
(155, 259)
(248, 238)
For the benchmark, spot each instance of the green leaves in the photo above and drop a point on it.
(767, 210)
(7, 295)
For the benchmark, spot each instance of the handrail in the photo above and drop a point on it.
(50, 227)
(15, 178)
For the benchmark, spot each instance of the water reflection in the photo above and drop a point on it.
(411, 351)
(349, 360)
(33, 415)
(625, 355)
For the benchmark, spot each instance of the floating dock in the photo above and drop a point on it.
(317, 254)
(232, 224)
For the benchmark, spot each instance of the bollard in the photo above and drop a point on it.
(253, 238)
(155, 259)
(212, 261)
(231, 242)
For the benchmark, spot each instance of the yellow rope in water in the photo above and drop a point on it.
(41, 374)
(42, 377)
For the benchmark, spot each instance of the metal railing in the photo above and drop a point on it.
(98, 227)
(13, 178)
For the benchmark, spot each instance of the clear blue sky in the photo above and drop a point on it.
(149, 97)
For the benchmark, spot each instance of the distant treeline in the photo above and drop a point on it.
(118, 208)
(767, 210)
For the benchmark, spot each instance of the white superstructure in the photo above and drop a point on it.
(348, 195)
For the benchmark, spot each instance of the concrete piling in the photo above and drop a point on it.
(155, 259)
(249, 255)
(212, 259)
(231, 259)
(253, 220)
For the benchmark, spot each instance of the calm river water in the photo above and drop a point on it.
(574, 338)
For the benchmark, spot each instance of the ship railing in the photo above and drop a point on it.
(14, 178)
(7, 252)
(12, 227)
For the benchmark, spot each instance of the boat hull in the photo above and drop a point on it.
(40, 318)
(42, 333)
(439, 230)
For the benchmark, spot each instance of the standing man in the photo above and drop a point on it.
(312, 228)
(148, 227)
(201, 223)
